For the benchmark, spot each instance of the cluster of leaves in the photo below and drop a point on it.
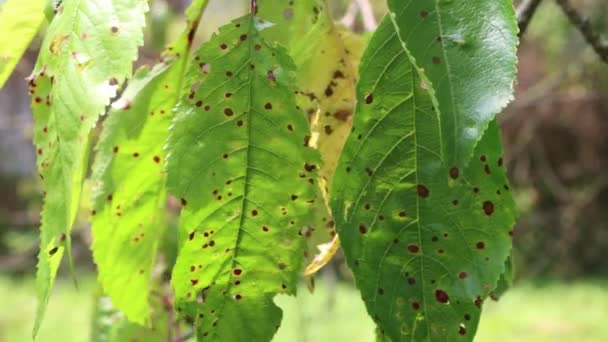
(274, 139)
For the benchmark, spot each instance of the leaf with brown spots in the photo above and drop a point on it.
(240, 175)
(79, 69)
(417, 261)
(129, 165)
(327, 58)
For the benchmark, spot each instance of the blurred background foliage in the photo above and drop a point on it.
(556, 150)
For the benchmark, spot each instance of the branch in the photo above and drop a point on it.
(583, 25)
(525, 11)
(351, 15)
(367, 13)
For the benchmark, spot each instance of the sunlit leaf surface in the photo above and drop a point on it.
(87, 53)
(239, 162)
(130, 192)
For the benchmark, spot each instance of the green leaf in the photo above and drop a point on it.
(238, 160)
(505, 281)
(468, 51)
(292, 19)
(130, 193)
(426, 240)
(19, 22)
(86, 54)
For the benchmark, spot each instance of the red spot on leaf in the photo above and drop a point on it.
(442, 296)
(362, 229)
(462, 330)
(454, 172)
(488, 208)
(423, 191)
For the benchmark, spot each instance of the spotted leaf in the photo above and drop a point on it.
(87, 53)
(468, 51)
(130, 193)
(326, 57)
(426, 239)
(238, 161)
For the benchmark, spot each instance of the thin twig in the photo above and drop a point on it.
(525, 11)
(351, 16)
(367, 13)
(582, 24)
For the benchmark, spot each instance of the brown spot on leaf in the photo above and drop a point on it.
(362, 229)
(488, 208)
(454, 172)
(442, 296)
(423, 191)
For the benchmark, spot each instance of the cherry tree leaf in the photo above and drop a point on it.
(426, 239)
(326, 57)
(130, 184)
(468, 51)
(239, 162)
(87, 53)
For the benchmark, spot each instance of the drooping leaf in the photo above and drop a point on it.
(238, 160)
(19, 22)
(86, 54)
(468, 52)
(426, 240)
(130, 193)
(326, 80)
(326, 77)
(326, 69)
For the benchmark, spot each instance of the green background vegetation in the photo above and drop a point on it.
(539, 312)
